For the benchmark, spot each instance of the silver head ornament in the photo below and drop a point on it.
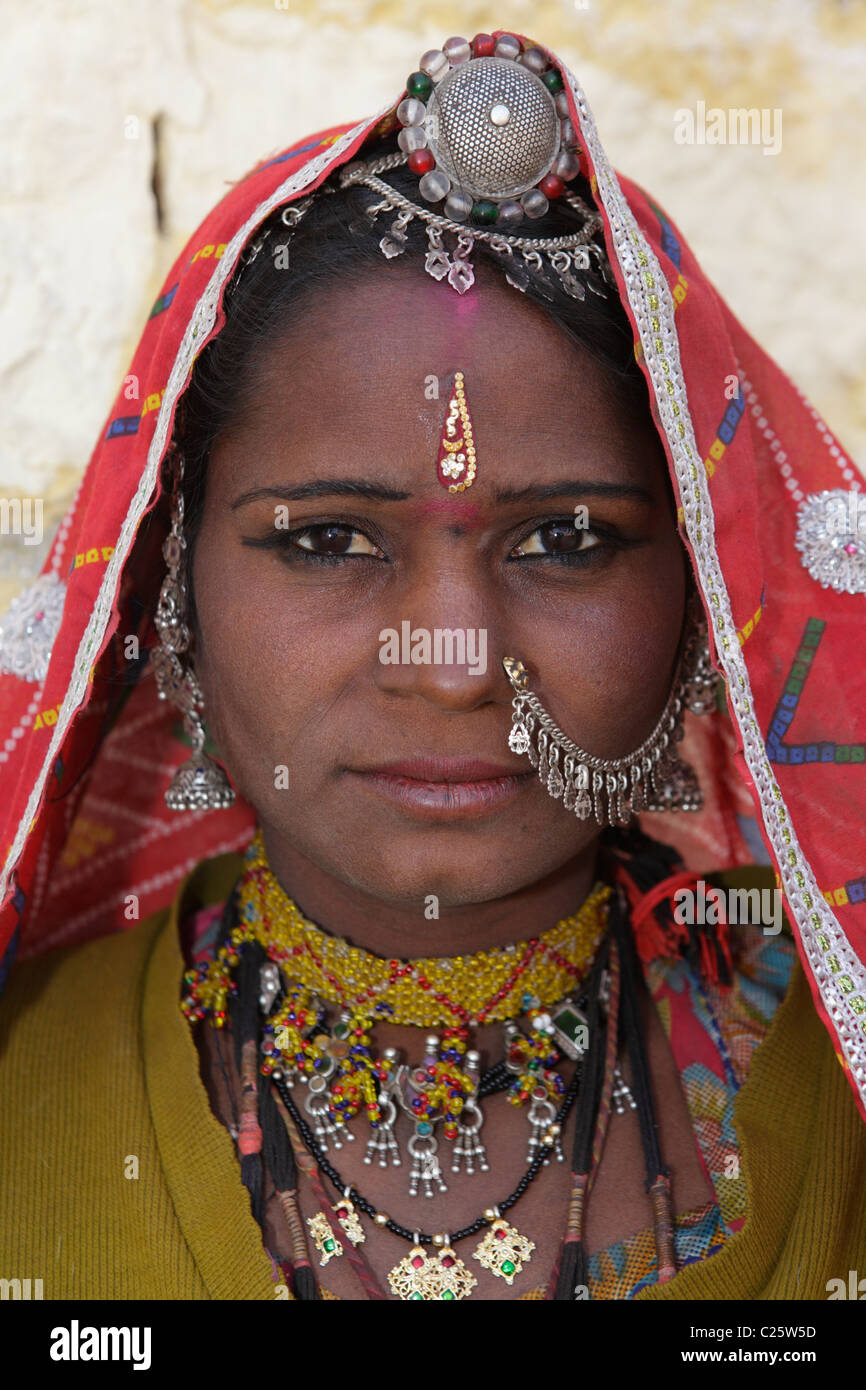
(486, 127)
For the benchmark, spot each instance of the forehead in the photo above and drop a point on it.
(364, 373)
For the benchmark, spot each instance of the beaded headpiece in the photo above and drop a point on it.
(485, 126)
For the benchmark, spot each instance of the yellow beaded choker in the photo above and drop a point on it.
(485, 987)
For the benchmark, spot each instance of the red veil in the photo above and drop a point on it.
(86, 841)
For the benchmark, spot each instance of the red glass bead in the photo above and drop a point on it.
(342, 1211)
(483, 46)
(552, 186)
(421, 160)
(447, 1261)
(418, 1262)
(500, 1235)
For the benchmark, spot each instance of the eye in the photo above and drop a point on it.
(334, 540)
(559, 538)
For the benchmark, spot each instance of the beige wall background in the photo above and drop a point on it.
(102, 101)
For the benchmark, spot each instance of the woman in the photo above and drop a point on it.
(446, 561)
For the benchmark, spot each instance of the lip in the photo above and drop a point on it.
(433, 767)
(438, 788)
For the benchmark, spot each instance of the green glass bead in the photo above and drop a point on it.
(448, 1294)
(416, 1298)
(552, 81)
(507, 1267)
(419, 85)
(485, 211)
(330, 1246)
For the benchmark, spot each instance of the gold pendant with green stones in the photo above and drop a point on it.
(327, 1243)
(504, 1251)
(348, 1219)
(422, 1278)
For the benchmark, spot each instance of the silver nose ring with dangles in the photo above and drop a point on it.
(651, 778)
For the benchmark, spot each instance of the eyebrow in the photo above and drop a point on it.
(324, 487)
(542, 492)
(377, 492)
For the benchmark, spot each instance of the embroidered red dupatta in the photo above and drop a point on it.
(84, 830)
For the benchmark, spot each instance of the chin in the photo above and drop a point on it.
(461, 870)
(458, 884)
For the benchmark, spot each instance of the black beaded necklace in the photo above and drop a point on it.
(422, 1237)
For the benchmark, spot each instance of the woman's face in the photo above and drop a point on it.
(325, 527)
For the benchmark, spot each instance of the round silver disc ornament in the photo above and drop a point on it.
(493, 128)
(30, 627)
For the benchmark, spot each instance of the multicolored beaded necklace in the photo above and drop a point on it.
(485, 987)
(303, 971)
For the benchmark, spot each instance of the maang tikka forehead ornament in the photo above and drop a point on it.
(486, 127)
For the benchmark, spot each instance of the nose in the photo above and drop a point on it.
(440, 643)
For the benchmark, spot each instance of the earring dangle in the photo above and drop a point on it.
(199, 784)
(700, 681)
(651, 778)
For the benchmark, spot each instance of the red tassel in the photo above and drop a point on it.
(654, 938)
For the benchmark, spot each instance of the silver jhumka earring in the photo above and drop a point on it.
(199, 784)
(651, 778)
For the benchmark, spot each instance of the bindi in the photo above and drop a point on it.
(455, 463)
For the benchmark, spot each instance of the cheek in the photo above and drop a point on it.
(272, 663)
(604, 668)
